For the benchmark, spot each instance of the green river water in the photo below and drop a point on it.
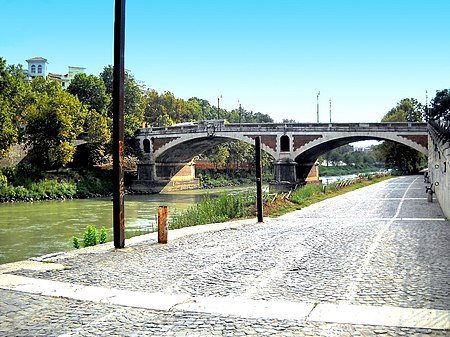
(39, 228)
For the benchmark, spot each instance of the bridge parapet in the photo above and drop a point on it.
(220, 125)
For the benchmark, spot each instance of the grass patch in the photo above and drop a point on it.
(313, 193)
(212, 210)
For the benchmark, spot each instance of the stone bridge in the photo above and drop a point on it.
(168, 152)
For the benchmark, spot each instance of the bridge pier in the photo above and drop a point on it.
(156, 177)
(284, 175)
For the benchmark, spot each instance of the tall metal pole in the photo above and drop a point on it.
(330, 110)
(318, 94)
(118, 124)
(240, 113)
(218, 108)
(259, 196)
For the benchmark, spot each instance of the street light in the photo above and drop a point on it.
(318, 94)
(218, 106)
(330, 110)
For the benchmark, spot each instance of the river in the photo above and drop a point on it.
(39, 228)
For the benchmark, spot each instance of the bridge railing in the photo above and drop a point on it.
(219, 125)
(440, 129)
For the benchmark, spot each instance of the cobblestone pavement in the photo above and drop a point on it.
(380, 247)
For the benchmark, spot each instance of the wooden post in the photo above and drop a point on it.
(163, 226)
(259, 196)
(118, 125)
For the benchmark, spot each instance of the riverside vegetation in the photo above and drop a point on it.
(242, 205)
(26, 183)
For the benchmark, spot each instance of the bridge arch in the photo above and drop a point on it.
(184, 149)
(307, 155)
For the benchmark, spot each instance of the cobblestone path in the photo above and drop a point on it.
(373, 262)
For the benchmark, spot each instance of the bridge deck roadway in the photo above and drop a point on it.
(373, 262)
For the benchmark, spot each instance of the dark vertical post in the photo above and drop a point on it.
(118, 124)
(218, 107)
(259, 196)
(240, 113)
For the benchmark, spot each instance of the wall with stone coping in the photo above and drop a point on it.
(438, 170)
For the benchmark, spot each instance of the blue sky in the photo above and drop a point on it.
(271, 56)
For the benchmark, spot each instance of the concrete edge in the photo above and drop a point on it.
(236, 306)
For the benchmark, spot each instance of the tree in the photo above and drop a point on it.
(408, 110)
(135, 105)
(54, 123)
(9, 133)
(15, 96)
(91, 91)
(99, 135)
(398, 156)
(440, 111)
(134, 95)
(218, 155)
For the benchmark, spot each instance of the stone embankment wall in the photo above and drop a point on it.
(438, 170)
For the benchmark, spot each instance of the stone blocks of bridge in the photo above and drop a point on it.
(164, 177)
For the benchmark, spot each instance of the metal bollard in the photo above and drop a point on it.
(429, 191)
(163, 226)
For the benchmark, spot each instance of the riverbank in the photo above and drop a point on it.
(326, 171)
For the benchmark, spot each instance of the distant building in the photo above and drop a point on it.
(37, 66)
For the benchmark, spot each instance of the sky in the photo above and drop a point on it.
(272, 57)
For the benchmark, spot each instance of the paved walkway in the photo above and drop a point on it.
(373, 262)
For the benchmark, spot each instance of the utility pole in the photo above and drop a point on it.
(218, 106)
(240, 113)
(330, 110)
(118, 124)
(318, 94)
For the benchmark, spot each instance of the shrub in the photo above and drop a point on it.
(90, 236)
(103, 235)
(76, 242)
(3, 180)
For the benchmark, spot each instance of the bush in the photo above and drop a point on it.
(103, 235)
(90, 236)
(3, 180)
(76, 242)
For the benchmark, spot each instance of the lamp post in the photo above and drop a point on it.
(330, 110)
(218, 106)
(240, 113)
(318, 94)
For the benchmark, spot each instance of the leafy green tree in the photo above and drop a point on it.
(135, 106)
(398, 156)
(54, 123)
(240, 153)
(99, 135)
(91, 91)
(218, 155)
(408, 110)
(15, 96)
(440, 111)
(9, 133)
(134, 96)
